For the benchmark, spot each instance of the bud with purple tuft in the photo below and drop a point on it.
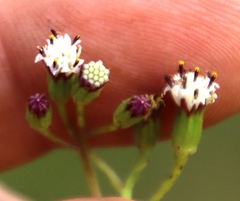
(136, 109)
(38, 113)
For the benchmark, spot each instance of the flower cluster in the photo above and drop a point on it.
(190, 90)
(82, 83)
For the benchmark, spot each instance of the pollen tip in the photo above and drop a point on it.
(181, 63)
(214, 75)
(181, 69)
(196, 72)
(76, 62)
(212, 78)
(55, 60)
(51, 36)
(76, 38)
(197, 69)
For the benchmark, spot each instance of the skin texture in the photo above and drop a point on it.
(139, 41)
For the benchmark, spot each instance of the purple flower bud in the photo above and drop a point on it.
(38, 105)
(139, 106)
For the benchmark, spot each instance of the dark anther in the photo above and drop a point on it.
(181, 69)
(41, 51)
(54, 33)
(76, 62)
(168, 80)
(212, 78)
(51, 37)
(196, 92)
(77, 37)
(55, 62)
(184, 82)
(196, 72)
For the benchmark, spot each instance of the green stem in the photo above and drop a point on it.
(87, 166)
(63, 114)
(80, 114)
(135, 173)
(104, 129)
(85, 152)
(47, 133)
(179, 163)
(110, 174)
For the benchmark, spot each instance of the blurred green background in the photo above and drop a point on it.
(213, 173)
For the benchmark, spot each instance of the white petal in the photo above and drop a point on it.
(38, 58)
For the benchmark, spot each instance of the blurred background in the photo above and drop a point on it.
(213, 173)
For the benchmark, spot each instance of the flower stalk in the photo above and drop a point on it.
(134, 175)
(185, 139)
(179, 163)
(63, 114)
(85, 156)
(113, 178)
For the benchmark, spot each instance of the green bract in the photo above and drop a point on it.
(39, 123)
(60, 88)
(122, 117)
(187, 133)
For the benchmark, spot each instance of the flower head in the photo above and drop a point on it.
(38, 105)
(94, 75)
(61, 54)
(191, 91)
(139, 105)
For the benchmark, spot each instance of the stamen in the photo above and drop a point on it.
(181, 70)
(168, 80)
(51, 37)
(212, 78)
(184, 82)
(197, 70)
(76, 62)
(54, 33)
(55, 62)
(196, 92)
(77, 37)
(41, 51)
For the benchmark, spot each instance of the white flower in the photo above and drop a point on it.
(61, 55)
(94, 75)
(191, 91)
